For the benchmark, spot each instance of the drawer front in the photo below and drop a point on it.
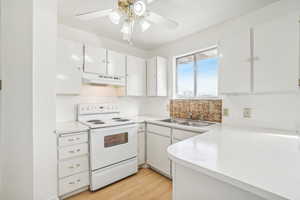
(161, 130)
(73, 183)
(72, 139)
(72, 151)
(182, 135)
(73, 166)
(141, 127)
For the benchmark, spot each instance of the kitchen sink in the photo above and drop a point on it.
(193, 123)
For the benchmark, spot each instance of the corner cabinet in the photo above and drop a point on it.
(276, 55)
(157, 77)
(235, 63)
(69, 67)
(136, 76)
(264, 59)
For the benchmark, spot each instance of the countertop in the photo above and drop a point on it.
(258, 160)
(70, 127)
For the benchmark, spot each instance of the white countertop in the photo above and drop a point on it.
(260, 161)
(70, 127)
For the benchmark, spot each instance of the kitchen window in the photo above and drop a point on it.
(197, 75)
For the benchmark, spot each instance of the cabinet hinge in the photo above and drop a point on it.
(0, 85)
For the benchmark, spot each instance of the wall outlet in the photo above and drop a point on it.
(225, 112)
(247, 112)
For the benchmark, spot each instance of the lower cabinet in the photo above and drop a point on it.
(158, 141)
(141, 144)
(73, 163)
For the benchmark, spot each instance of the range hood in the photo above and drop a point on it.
(98, 79)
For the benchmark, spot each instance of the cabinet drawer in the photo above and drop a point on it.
(73, 166)
(73, 183)
(72, 139)
(161, 130)
(182, 135)
(72, 151)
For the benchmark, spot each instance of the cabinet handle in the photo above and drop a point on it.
(71, 183)
(70, 140)
(78, 150)
(71, 151)
(78, 180)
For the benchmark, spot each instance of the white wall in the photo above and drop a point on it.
(65, 105)
(28, 99)
(277, 111)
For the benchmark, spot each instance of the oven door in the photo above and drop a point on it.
(112, 145)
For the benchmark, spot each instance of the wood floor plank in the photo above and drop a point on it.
(145, 185)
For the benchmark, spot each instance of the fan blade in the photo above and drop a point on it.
(158, 19)
(93, 14)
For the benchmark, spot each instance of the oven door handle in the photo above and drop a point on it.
(133, 125)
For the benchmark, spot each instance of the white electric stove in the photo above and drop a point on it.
(113, 143)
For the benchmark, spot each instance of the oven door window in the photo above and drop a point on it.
(116, 139)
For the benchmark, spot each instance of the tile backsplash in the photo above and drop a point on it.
(207, 110)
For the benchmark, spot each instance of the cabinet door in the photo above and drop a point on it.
(151, 77)
(95, 60)
(162, 76)
(235, 63)
(136, 76)
(69, 67)
(157, 155)
(141, 148)
(116, 63)
(276, 55)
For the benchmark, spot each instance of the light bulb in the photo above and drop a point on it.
(126, 28)
(115, 16)
(145, 25)
(139, 8)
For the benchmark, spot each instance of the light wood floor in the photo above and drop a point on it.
(145, 185)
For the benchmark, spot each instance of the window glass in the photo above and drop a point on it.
(202, 66)
(207, 74)
(185, 77)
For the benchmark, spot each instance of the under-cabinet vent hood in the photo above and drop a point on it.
(103, 79)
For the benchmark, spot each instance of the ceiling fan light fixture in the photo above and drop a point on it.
(115, 16)
(139, 8)
(145, 25)
(125, 28)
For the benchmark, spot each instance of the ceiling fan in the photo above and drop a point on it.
(131, 13)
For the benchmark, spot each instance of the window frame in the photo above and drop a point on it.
(195, 74)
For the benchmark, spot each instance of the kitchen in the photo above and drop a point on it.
(182, 110)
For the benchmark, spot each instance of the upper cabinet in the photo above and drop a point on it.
(235, 63)
(69, 67)
(95, 60)
(264, 60)
(104, 62)
(136, 76)
(116, 63)
(276, 55)
(157, 77)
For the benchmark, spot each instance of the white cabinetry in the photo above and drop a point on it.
(158, 140)
(136, 76)
(95, 60)
(116, 63)
(235, 63)
(69, 67)
(141, 144)
(157, 76)
(73, 163)
(264, 61)
(276, 55)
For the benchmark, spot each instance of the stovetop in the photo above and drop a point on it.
(106, 122)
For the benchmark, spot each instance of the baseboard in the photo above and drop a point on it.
(54, 198)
